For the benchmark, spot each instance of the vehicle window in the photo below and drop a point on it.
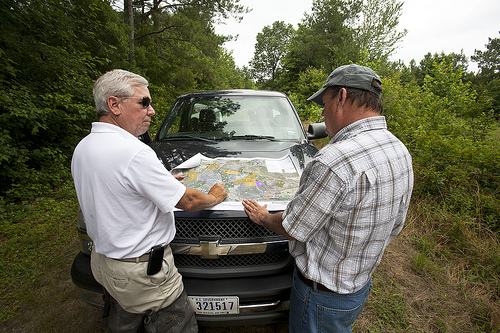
(226, 117)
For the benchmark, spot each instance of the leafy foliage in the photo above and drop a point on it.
(489, 79)
(310, 81)
(52, 51)
(323, 40)
(376, 31)
(428, 63)
(337, 32)
(443, 127)
(47, 67)
(271, 47)
(49, 62)
(489, 60)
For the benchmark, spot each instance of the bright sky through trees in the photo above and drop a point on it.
(433, 26)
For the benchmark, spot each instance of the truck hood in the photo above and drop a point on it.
(172, 153)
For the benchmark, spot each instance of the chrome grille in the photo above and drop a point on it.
(227, 231)
(247, 260)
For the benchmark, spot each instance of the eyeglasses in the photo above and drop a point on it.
(145, 101)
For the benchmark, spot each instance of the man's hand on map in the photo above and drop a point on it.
(260, 215)
(219, 192)
(255, 212)
(179, 177)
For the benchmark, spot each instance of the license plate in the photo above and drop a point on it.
(215, 305)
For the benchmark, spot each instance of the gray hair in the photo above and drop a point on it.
(117, 82)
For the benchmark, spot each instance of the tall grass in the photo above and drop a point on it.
(34, 239)
(440, 274)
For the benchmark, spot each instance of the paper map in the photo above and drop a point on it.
(270, 181)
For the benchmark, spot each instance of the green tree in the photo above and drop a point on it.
(488, 79)
(47, 65)
(176, 46)
(376, 28)
(271, 47)
(489, 60)
(324, 39)
(458, 96)
(454, 166)
(310, 81)
(177, 50)
(52, 51)
(149, 16)
(339, 32)
(428, 64)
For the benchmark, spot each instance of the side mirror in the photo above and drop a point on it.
(316, 131)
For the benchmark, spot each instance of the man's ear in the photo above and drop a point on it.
(113, 103)
(342, 96)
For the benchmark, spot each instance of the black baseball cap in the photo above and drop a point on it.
(349, 76)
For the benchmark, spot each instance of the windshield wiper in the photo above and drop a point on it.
(250, 137)
(199, 138)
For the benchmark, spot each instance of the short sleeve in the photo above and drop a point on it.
(150, 179)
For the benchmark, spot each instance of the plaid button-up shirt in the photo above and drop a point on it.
(352, 201)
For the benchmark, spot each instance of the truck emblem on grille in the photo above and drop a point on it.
(212, 249)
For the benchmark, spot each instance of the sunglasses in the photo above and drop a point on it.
(145, 101)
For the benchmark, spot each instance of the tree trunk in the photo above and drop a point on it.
(129, 11)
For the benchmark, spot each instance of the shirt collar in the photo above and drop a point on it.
(366, 124)
(101, 127)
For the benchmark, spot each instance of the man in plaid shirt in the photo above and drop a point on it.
(352, 201)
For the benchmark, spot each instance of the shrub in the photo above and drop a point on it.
(441, 123)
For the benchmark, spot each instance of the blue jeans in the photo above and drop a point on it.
(312, 310)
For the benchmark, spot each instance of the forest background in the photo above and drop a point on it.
(52, 51)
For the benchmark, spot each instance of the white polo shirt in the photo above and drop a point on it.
(126, 195)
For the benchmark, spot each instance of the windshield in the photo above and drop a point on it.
(229, 117)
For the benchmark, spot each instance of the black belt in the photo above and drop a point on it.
(310, 283)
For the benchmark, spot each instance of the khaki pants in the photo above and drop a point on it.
(178, 317)
(132, 288)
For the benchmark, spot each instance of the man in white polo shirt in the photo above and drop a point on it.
(127, 198)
